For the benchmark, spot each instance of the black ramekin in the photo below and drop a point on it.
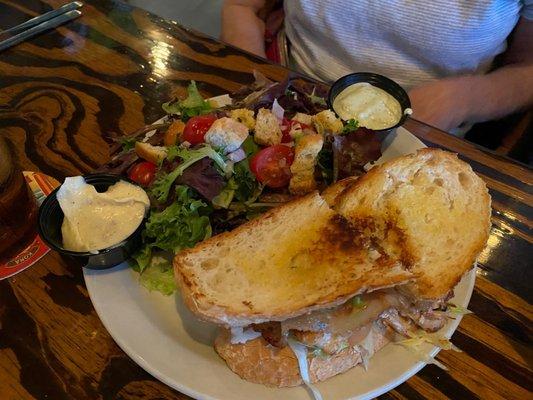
(51, 219)
(379, 81)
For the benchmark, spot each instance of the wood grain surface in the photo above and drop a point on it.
(109, 71)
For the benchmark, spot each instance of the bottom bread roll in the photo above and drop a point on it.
(259, 362)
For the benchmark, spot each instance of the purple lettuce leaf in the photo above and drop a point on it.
(203, 177)
(353, 151)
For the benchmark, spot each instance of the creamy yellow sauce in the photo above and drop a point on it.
(94, 221)
(371, 106)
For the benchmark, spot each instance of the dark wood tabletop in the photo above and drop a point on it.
(109, 71)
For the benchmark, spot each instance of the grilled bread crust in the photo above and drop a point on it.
(429, 210)
(299, 257)
(421, 218)
(331, 193)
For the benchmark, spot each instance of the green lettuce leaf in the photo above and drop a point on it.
(325, 164)
(248, 188)
(159, 277)
(241, 192)
(163, 183)
(128, 143)
(316, 99)
(225, 197)
(142, 258)
(192, 105)
(242, 188)
(249, 146)
(181, 225)
(351, 126)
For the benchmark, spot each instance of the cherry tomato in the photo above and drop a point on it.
(286, 127)
(142, 173)
(271, 165)
(196, 127)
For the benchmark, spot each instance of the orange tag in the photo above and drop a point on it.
(41, 185)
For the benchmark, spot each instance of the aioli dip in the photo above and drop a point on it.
(94, 221)
(371, 106)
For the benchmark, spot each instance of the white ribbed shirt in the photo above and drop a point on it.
(410, 41)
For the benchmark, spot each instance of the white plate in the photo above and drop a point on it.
(164, 338)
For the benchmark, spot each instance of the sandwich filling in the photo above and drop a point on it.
(352, 325)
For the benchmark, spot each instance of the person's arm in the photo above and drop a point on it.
(242, 27)
(447, 103)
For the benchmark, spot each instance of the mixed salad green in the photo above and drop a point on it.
(210, 167)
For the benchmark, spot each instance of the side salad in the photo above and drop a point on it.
(213, 164)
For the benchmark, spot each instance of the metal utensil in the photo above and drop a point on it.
(40, 24)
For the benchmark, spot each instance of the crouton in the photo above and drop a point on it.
(154, 154)
(226, 135)
(244, 116)
(326, 122)
(267, 129)
(303, 118)
(303, 167)
(301, 184)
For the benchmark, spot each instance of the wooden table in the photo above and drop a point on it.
(110, 71)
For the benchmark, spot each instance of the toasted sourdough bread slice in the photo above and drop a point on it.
(429, 209)
(331, 193)
(259, 362)
(291, 260)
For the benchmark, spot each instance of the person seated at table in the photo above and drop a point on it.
(442, 52)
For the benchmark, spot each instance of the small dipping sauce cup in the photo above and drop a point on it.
(51, 220)
(379, 81)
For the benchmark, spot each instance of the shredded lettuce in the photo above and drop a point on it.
(455, 311)
(432, 338)
(358, 303)
(192, 105)
(319, 352)
(242, 335)
(300, 351)
(343, 346)
(420, 338)
(163, 183)
(367, 348)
